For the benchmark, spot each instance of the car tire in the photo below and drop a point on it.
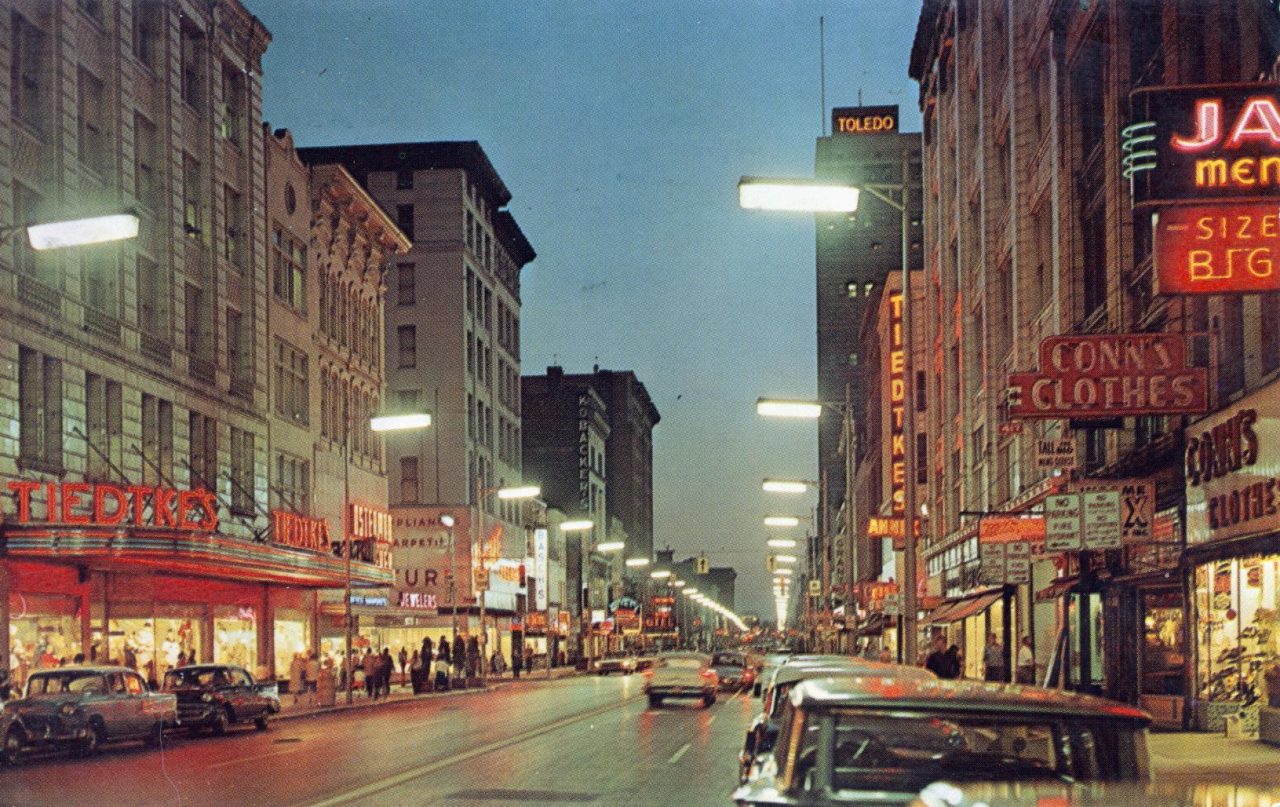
(92, 743)
(655, 701)
(708, 700)
(155, 736)
(261, 723)
(221, 720)
(15, 739)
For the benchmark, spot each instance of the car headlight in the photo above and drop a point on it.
(67, 710)
(207, 697)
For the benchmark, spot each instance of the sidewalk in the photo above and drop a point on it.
(1212, 757)
(400, 693)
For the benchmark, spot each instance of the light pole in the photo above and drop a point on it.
(808, 195)
(384, 423)
(603, 550)
(448, 521)
(506, 494)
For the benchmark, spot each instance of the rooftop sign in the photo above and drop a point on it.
(856, 120)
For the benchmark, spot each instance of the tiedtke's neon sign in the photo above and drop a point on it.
(1204, 143)
(106, 505)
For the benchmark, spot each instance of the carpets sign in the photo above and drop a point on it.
(1108, 376)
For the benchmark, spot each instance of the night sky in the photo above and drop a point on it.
(621, 130)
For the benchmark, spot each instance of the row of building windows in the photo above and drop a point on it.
(350, 318)
(345, 405)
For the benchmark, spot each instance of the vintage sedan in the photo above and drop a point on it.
(215, 696)
(681, 675)
(849, 741)
(764, 730)
(83, 707)
(624, 663)
(732, 670)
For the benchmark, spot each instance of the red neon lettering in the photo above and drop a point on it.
(1259, 120)
(188, 502)
(1208, 116)
(162, 507)
(139, 494)
(100, 514)
(71, 499)
(23, 491)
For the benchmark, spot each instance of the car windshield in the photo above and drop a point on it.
(195, 677)
(73, 682)
(904, 752)
(727, 660)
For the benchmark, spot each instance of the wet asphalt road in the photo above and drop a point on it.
(575, 741)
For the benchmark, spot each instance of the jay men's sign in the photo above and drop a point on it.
(1207, 143)
(1110, 375)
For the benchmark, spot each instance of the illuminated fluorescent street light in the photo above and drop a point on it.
(796, 195)
(637, 562)
(788, 409)
(82, 232)
(782, 572)
(578, 525)
(523, 492)
(781, 521)
(784, 486)
(679, 584)
(660, 574)
(785, 558)
(689, 592)
(611, 546)
(782, 543)
(396, 423)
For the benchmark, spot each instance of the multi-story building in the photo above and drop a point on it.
(330, 245)
(855, 254)
(1032, 232)
(452, 330)
(136, 374)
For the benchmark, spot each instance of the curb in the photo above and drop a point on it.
(366, 705)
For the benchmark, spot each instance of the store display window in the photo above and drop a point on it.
(235, 636)
(1238, 644)
(44, 631)
(156, 644)
(1163, 671)
(292, 636)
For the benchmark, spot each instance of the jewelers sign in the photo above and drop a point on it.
(1232, 470)
(1108, 376)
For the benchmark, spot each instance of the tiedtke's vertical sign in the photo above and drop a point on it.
(1232, 470)
(895, 372)
(1110, 375)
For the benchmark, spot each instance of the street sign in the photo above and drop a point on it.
(1056, 453)
(480, 579)
(992, 555)
(1135, 508)
(1062, 523)
(1017, 563)
(1101, 517)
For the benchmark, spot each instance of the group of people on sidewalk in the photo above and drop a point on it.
(947, 661)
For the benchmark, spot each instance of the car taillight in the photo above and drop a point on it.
(708, 673)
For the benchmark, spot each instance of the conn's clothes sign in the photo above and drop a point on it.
(1206, 143)
(1108, 376)
(87, 504)
(1232, 470)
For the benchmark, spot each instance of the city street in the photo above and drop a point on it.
(573, 741)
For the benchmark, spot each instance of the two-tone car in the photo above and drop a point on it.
(764, 729)
(681, 675)
(732, 670)
(624, 663)
(213, 697)
(852, 741)
(83, 707)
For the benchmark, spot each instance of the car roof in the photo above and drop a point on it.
(956, 696)
(206, 666)
(684, 654)
(1093, 794)
(98, 669)
(790, 673)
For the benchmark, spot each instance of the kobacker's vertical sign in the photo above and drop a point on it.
(540, 567)
(895, 373)
(584, 452)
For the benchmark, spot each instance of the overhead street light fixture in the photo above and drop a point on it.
(395, 423)
(782, 572)
(785, 558)
(679, 583)
(522, 492)
(774, 408)
(82, 232)
(782, 543)
(636, 563)
(781, 521)
(690, 592)
(576, 525)
(660, 574)
(796, 195)
(611, 546)
(784, 486)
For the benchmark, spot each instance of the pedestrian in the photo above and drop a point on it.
(312, 671)
(886, 657)
(297, 676)
(386, 666)
(516, 662)
(459, 656)
(955, 662)
(370, 667)
(1026, 662)
(993, 660)
(936, 662)
(473, 657)
(404, 663)
(443, 663)
(528, 659)
(426, 654)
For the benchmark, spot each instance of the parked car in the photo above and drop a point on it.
(645, 661)
(216, 696)
(768, 665)
(624, 663)
(83, 707)
(1122, 794)
(764, 730)
(732, 670)
(843, 740)
(681, 675)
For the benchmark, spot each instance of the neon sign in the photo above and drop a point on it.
(853, 120)
(300, 532)
(895, 372)
(104, 505)
(1218, 249)
(1204, 143)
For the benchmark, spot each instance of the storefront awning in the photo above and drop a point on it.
(1063, 585)
(186, 552)
(967, 607)
(873, 625)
